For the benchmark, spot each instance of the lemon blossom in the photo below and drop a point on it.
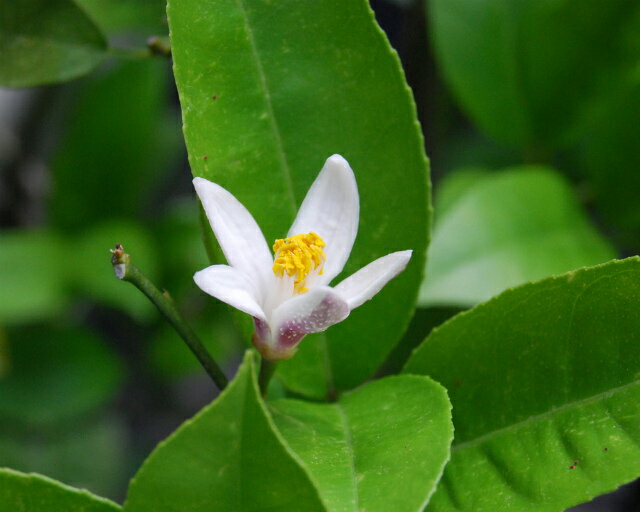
(288, 294)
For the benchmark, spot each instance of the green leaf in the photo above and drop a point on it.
(505, 229)
(114, 150)
(269, 90)
(39, 269)
(20, 492)
(55, 375)
(45, 42)
(228, 457)
(33, 274)
(525, 71)
(611, 160)
(541, 378)
(92, 453)
(382, 447)
(133, 18)
(454, 185)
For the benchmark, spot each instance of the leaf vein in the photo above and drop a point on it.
(532, 419)
(352, 457)
(269, 103)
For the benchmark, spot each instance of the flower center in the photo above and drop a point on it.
(297, 256)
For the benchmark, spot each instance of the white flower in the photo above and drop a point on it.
(289, 295)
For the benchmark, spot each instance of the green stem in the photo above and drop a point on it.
(267, 369)
(157, 46)
(130, 53)
(125, 270)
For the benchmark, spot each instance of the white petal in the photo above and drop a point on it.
(331, 209)
(310, 312)
(231, 286)
(239, 236)
(366, 282)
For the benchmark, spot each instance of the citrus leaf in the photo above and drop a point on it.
(381, 447)
(46, 41)
(115, 146)
(60, 452)
(504, 229)
(269, 90)
(33, 273)
(20, 492)
(545, 386)
(524, 70)
(228, 457)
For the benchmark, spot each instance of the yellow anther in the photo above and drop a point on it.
(297, 256)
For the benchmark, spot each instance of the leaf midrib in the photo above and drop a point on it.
(352, 456)
(538, 417)
(284, 164)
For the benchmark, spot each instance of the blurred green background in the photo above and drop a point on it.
(530, 111)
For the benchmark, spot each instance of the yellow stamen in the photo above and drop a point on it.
(297, 256)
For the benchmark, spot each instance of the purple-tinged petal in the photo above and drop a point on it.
(304, 314)
(369, 280)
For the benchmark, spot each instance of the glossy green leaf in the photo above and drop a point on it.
(269, 90)
(92, 453)
(46, 41)
(137, 17)
(114, 148)
(542, 378)
(505, 229)
(33, 275)
(526, 70)
(382, 447)
(454, 185)
(38, 270)
(228, 457)
(20, 492)
(55, 374)
(611, 160)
